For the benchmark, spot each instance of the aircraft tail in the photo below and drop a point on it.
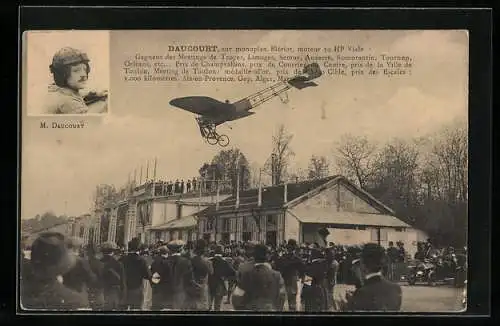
(312, 71)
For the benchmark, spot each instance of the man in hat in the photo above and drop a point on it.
(70, 69)
(113, 277)
(160, 279)
(315, 294)
(376, 293)
(292, 268)
(182, 278)
(136, 270)
(202, 271)
(50, 259)
(223, 270)
(249, 258)
(260, 288)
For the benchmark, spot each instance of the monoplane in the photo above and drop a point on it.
(212, 113)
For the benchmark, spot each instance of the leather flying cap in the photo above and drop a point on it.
(69, 56)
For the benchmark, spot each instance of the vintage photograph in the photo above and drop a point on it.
(66, 72)
(248, 171)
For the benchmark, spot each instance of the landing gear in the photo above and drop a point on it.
(209, 132)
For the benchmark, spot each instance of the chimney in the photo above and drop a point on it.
(285, 193)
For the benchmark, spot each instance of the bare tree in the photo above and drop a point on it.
(281, 155)
(396, 170)
(224, 167)
(355, 157)
(318, 167)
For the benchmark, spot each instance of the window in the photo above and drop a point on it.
(225, 225)
(271, 238)
(179, 235)
(400, 229)
(271, 220)
(190, 235)
(209, 225)
(206, 237)
(246, 224)
(225, 238)
(171, 235)
(361, 228)
(247, 236)
(158, 235)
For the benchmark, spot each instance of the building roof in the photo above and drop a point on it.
(272, 197)
(183, 222)
(327, 215)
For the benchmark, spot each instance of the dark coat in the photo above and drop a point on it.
(291, 267)
(202, 271)
(376, 294)
(223, 270)
(52, 295)
(136, 270)
(80, 277)
(114, 282)
(263, 287)
(316, 295)
(181, 282)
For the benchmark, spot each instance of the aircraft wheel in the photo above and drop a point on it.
(212, 140)
(223, 140)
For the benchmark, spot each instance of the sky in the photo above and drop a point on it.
(64, 166)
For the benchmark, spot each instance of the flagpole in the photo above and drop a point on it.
(154, 179)
(147, 170)
(140, 177)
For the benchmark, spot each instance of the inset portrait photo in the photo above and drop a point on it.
(65, 72)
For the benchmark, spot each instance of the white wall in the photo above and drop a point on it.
(348, 237)
(292, 227)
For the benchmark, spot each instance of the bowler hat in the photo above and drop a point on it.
(373, 255)
(50, 255)
(175, 245)
(162, 250)
(260, 252)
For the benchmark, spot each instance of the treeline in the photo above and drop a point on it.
(424, 180)
(41, 222)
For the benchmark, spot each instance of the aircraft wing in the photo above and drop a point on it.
(204, 105)
(240, 115)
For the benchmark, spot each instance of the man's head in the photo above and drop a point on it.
(260, 253)
(291, 246)
(391, 244)
(50, 255)
(176, 246)
(70, 68)
(200, 247)
(373, 257)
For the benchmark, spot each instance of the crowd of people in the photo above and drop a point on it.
(194, 185)
(196, 276)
